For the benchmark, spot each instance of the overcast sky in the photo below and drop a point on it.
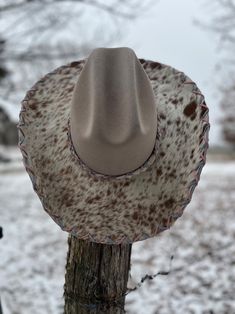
(167, 34)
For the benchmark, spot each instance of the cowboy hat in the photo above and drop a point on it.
(114, 145)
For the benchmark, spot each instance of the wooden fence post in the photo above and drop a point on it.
(96, 277)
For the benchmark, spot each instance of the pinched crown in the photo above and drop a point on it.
(113, 114)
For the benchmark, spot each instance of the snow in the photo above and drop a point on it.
(202, 272)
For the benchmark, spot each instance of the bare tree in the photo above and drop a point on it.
(222, 23)
(42, 34)
(3, 71)
(228, 122)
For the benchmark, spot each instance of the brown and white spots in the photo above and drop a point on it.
(115, 185)
(97, 197)
(69, 170)
(38, 115)
(192, 153)
(159, 172)
(165, 222)
(135, 215)
(121, 194)
(75, 64)
(89, 200)
(114, 201)
(153, 227)
(169, 202)
(175, 101)
(155, 65)
(178, 121)
(33, 106)
(190, 109)
(142, 61)
(162, 116)
(172, 174)
(145, 65)
(152, 209)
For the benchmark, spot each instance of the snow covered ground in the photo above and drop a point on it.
(202, 271)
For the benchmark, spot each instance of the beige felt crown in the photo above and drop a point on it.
(113, 112)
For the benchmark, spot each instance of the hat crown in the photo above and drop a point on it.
(113, 114)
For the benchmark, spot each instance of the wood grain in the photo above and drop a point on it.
(96, 277)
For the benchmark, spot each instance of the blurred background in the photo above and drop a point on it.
(196, 37)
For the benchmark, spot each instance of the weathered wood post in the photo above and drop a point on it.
(96, 277)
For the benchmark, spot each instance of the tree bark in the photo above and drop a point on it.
(96, 277)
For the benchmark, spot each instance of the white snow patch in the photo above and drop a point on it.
(202, 272)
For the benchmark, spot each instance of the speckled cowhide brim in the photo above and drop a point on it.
(109, 209)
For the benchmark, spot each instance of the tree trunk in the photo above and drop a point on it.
(96, 277)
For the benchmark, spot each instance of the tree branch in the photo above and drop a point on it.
(94, 3)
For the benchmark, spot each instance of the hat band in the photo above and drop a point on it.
(150, 160)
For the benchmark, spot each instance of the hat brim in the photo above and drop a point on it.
(114, 209)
